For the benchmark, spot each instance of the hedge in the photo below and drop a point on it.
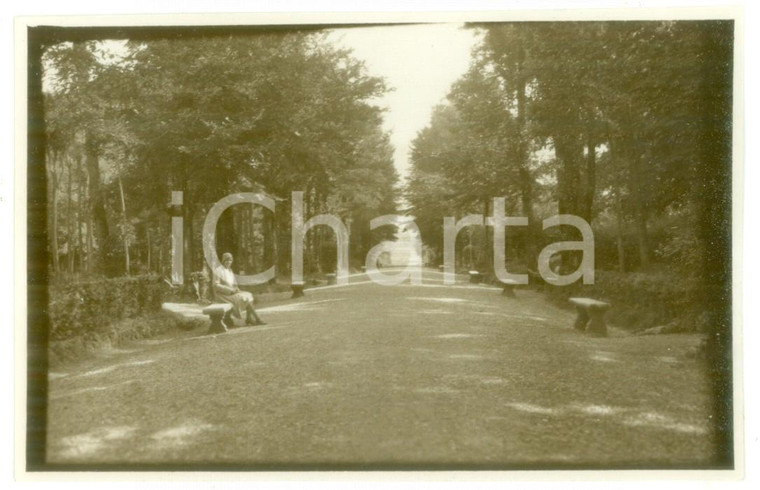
(643, 300)
(79, 308)
(61, 352)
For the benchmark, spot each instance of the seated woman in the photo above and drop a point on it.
(226, 289)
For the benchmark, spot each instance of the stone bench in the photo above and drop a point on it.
(475, 277)
(297, 288)
(590, 316)
(541, 283)
(216, 313)
(508, 287)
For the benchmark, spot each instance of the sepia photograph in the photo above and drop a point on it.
(370, 244)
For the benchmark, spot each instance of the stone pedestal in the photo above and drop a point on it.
(590, 316)
(216, 313)
(508, 288)
(297, 288)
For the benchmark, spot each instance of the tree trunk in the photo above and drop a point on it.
(639, 207)
(97, 200)
(589, 187)
(147, 239)
(189, 238)
(80, 219)
(282, 240)
(275, 249)
(70, 220)
(254, 249)
(54, 212)
(223, 233)
(125, 237)
(642, 238)
(246, 239)
(320, 237)
(487, 259)
(569, 152)
(237, 236)
(614, 164)
(255, 232)
(90, 258)
(269, 243)
(526, 180)
(310, 209)
(619, 233)
(188, 243)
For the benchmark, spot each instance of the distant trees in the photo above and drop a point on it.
(616, 122)
(208, 116)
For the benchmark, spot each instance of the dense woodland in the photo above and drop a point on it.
(625, 124)
(208, 116)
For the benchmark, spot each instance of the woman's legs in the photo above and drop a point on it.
(228, 321)
(252, 318)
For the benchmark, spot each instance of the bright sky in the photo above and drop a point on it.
(420, 62)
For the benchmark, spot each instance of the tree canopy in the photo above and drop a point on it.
(604, 120)
(208, 116)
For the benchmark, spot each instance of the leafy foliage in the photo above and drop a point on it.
(209, 116)
(604, 120)
(76, 309)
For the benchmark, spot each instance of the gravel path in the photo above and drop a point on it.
(375, 377)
